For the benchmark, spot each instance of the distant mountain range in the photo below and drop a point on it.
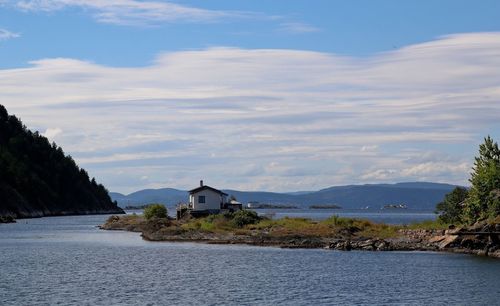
(415, 195)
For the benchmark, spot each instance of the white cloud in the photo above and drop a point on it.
(369, 148)
(433, 169)
(6, 35)
(51, 133)
(380, 175)
(227, 114)
(129, 12)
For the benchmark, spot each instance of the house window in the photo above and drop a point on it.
(201, 199)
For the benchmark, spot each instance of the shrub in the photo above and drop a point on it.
(155, 211)
(244, 217)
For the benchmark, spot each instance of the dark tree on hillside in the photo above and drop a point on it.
(37, 178)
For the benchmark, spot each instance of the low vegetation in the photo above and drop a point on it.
(155, 211)
(247, 222)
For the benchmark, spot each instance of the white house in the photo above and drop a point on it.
(206, 198)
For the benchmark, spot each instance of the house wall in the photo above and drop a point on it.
(212, 200)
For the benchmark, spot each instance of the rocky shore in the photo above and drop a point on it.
(480, 239)
(7, 219)
(10, 217)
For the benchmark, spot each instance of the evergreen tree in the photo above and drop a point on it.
(483, 200)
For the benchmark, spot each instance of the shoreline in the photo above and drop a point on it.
(12, 218)
(437, 240)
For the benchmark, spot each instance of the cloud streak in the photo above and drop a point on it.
(297, 28)
(130, 12)
(269, 119)
(6, 35)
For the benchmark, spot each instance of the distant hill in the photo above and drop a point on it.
(415, 195)
(37, 179)
(168, 196)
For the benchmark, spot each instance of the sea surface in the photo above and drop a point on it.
(69, 261)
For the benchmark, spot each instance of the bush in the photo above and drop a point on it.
(155, 211)
(244, 217)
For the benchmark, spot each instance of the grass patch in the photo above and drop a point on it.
(428, 225)
(380, 230)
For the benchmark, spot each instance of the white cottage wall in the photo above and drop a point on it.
(212, 200)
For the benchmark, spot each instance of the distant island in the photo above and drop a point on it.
(270, 206)
(395, 206)
(136, 207)
(37, 179)
(326, 206)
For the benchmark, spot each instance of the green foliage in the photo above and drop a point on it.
(245, 217)
(36, 175)
(155, 211)
(483, 200)
(451, 208)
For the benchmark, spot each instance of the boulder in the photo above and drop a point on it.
(437, 239)
(343, 245)
(448, 241)
(365, 245)
(381, 245)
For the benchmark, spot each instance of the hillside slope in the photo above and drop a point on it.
(37, 179)
(417, 195)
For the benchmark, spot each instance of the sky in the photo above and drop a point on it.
(281, 95)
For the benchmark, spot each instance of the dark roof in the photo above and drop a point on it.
(206, 187)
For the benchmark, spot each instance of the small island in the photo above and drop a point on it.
(394, 206)
(272, 206)
(326, 206)
(468, 222)
(246, 227)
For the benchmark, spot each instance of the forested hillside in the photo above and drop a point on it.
(38, 179)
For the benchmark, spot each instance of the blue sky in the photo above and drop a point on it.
(355, 28)
(256, 95)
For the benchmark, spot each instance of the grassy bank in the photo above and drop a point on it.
(249, 224)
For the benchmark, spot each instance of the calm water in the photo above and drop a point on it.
(67, 260)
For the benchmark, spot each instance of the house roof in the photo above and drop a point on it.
(205, 187)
